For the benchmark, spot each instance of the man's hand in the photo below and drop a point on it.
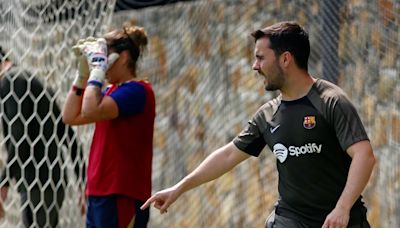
(162, 199)
(338, 218)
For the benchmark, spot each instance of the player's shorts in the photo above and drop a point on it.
(277, 221)
(115, 211)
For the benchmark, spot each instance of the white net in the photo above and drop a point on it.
(43, 161)
(199, 60)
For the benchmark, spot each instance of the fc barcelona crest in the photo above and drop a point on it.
(309, 122)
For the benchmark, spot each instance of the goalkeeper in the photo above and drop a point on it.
(120, 159)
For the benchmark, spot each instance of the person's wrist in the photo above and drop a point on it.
(343, 207)
(96, 77)
(80, 80)
(184, 185)
(83, 66)
(95, 83)
(78, 91)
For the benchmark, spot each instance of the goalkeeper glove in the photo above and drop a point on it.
(83, 68)
(95, 51)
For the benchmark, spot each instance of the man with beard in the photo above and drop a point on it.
(324, 157)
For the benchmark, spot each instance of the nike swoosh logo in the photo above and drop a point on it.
(272, 130)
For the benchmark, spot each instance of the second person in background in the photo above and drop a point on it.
(120, 159)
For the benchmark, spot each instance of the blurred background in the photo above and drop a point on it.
(199, 60)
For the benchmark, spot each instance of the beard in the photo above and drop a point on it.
(271, 87)
(275, 79)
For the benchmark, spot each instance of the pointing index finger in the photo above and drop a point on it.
(147, 203)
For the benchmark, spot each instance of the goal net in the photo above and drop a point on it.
(43, 161)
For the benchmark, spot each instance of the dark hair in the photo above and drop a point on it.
(287, 36)
(131, 38)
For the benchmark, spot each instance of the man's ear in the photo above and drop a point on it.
(285, 59)
(5, 66)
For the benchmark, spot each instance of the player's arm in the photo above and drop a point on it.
(363, 161)
(89, 108)
(97, 107)
(88, 105)
(214, 166)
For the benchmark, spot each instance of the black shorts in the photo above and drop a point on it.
(277, 221)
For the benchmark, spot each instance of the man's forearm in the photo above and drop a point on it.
(360, 171)
(215, 165)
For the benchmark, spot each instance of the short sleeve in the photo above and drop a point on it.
(347, 123)
(251, 140)
(130, 98)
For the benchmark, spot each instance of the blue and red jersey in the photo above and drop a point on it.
(120, 160)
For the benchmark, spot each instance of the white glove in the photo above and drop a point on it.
(95, 51)
(82, 75)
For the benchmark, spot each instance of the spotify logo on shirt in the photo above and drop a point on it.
(281, 151)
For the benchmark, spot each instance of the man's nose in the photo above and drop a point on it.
(256, 66)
